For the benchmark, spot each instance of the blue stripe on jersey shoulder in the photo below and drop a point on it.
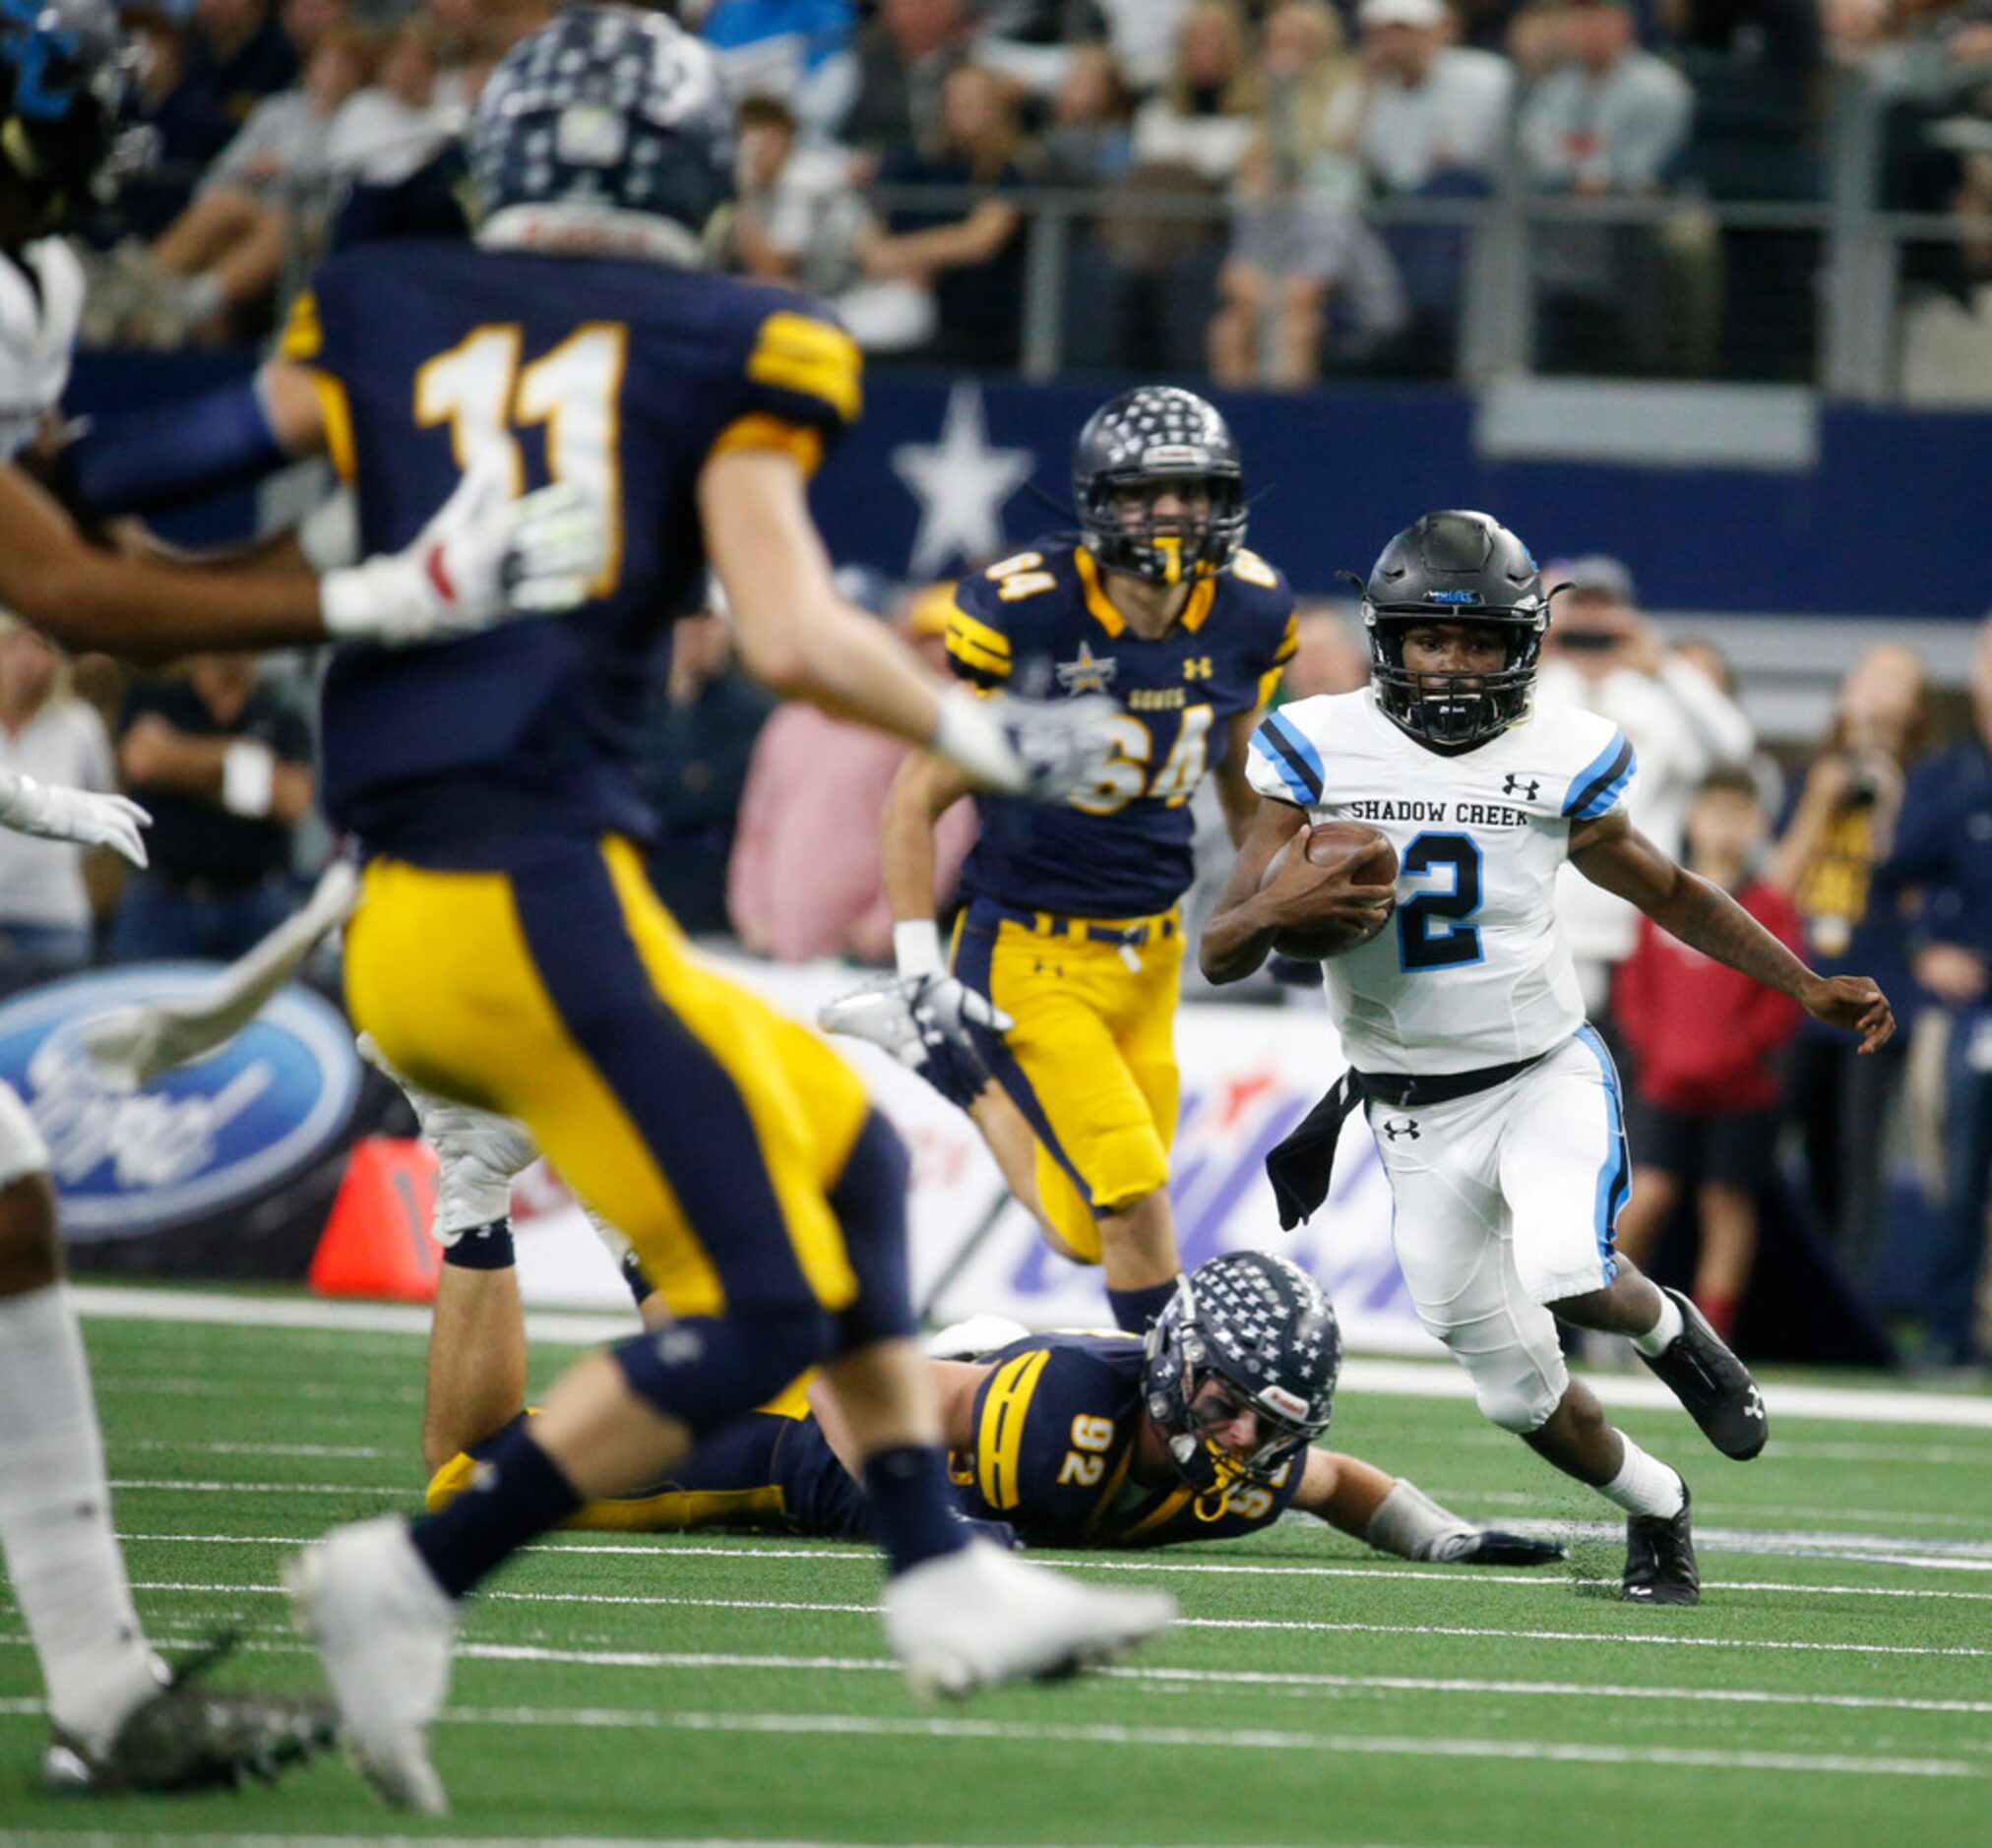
(1285, 747)
(1595, 787)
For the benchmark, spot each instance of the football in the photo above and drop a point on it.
(1330, 846)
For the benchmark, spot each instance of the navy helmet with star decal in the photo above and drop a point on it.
(1454, 567)
(1132, 445)
(1266, 1330)
(609, 119)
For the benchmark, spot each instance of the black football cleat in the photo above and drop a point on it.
(1492, 1546)
(1705, 1375)
(188, 1737)
(1660, 1563)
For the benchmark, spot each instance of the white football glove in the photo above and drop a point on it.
(1042, 749)
(130, 1047)
(58, 813)
(480, 1153)
(482, 558)
(923, 1020)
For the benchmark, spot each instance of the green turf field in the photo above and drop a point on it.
(1835, 1686)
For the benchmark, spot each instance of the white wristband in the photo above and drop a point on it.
(916, 946)
(968, 735)
(248, 778)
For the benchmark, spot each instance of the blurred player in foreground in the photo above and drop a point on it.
(1496, 1110)
(508, 949)
(121, 1723)
(1072, 931)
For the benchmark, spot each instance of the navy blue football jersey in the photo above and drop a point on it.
(1042, 624)
(1055, 1428)
(618, 375)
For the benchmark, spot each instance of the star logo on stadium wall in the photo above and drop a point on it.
(962, 484)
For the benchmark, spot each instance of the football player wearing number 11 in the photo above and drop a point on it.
(1495, 1108)
(1067, 961)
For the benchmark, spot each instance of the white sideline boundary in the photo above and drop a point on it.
(1406, 1378)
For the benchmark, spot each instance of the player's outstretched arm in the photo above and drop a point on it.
(1239, 934)
(800, 637)
(484, 556)
(1610, 852)
(1397, 1517)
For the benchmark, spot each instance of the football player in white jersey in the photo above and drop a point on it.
(122, 1721)
(1495, 1107)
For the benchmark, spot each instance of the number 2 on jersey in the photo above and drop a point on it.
(1432, 928)
(480, 390)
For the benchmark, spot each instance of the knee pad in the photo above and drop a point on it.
(704, 1371)
(869, 1201)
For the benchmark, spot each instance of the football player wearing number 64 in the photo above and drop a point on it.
(1496, 1109)
(1052, 1019)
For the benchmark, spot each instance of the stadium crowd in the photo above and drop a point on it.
(1263, 190)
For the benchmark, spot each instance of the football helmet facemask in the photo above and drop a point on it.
(1132, 446)
(1261, 1333)
(1454, 567)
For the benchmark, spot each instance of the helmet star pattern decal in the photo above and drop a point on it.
(1150, 436)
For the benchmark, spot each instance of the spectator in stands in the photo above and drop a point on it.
(800, 50)
(1141, 288)
(1204, 119)
(1754, 71)
(1841, 828)
(971, 262)
(46, 733)
(903, 58)
(185, 124)
(1143, 35)
(305, 21)
(1031, 43)
(1703, 1118)
(1304, 272)
(240, 55)
(1428, 120)
(394, 126)
(700, 735)
(1602, 654)
(224, 763)
(1090, 138)
(224, 254)
(1943, 851)
(796, 220)
(808, 873)
(1609, 121)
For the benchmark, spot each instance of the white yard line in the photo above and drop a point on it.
(1411, 1379)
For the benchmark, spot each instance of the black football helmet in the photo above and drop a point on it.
(1263, 1326)
(64, 92)
(1153, 434)
(1454, 567)
(606, 117)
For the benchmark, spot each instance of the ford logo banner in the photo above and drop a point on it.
(216, 1134)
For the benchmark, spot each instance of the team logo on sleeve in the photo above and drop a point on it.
(1089, 673)
(1524, 786)
(1394, 1127)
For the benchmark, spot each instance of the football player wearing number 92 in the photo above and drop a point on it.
(508, 949)
(1070, 946)
(1495, 1107)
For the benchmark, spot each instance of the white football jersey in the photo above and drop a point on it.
(1471, 970)
(41, 312)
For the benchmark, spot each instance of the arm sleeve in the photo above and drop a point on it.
(1604, 781)
(1282, 763)
(979, 635)
(802, 389)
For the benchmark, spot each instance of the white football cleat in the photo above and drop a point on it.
(384, 1630)
(978, 1617)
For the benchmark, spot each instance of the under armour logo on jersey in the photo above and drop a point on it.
(1405, 1127)
(1523, 787)
(1197, 667)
